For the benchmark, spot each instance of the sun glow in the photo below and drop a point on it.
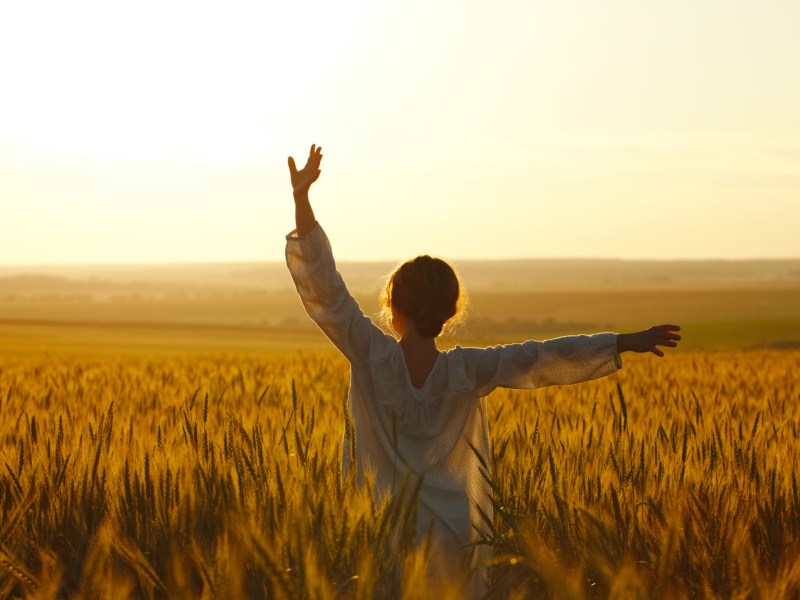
(166, 80)
(485, 129)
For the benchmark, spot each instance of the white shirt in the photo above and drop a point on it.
(438, 431)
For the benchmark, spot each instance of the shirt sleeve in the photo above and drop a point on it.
(534, 364)
(326, 298)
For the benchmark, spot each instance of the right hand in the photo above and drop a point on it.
(302, 179)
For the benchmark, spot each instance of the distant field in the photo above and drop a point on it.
(253, 308)
(711, 319)
(762, 316)
(23, 338)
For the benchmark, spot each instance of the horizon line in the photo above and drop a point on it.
(249, 262)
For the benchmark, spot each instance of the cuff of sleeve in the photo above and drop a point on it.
(615, 351)
(293, 237)
(307, 249)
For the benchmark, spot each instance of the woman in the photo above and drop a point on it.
(419, 413)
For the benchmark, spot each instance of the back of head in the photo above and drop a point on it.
(426, 290)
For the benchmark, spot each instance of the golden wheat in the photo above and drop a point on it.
(219, 477)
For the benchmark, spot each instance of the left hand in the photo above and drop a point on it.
(302, 179)
(649, 339)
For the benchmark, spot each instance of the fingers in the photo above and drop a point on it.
(314, 157)
(292, 166)
(667, 336)
(662, 336)
(664, 332)
(314, 151)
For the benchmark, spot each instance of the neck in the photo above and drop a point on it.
(420, 354)
(413, 342)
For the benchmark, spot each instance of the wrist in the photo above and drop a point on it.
(623, 342)
(300, 195)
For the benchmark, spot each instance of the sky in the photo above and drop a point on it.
(158, 132)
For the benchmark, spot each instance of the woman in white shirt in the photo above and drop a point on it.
(419, 413)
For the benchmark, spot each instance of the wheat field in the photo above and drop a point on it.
(218, 476)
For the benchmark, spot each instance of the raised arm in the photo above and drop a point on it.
(301, 182)
(320, 286)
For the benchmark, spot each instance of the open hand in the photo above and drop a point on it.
(302, 179)
(649, 339)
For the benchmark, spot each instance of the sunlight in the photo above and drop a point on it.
(166, 81)
(474, 117)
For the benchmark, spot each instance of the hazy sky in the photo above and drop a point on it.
(158, 131)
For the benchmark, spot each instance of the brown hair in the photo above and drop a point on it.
(428, 291)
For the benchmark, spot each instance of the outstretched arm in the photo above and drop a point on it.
(560, 361)
(301, 182)
(321, 287)
(649, 340)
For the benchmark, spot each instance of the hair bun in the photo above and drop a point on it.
(426, 290)
(431, 319)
